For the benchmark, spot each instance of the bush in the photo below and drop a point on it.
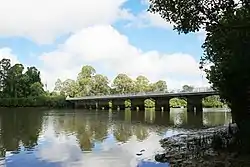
(40, 101)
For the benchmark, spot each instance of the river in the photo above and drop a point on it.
(77, 138)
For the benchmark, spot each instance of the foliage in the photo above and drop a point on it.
(141, 84)
(90, 83)
(123, 84)
(212, 101)
(38, 101)
(15, 83)
(187, 88)
(149, 103)
(159, 86)
(176, 103)
(226, 46)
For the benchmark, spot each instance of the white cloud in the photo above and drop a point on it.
(64, 149)
(7, 54)
(44, 20)
(110, 53)
(147, 19)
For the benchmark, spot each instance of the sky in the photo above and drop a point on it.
(114, 36)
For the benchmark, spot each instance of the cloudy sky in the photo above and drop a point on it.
(114, 36)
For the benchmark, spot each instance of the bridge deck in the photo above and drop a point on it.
(145, 95)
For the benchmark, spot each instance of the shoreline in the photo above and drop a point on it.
(195, 149)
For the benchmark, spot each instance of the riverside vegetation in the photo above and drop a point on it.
(24, 88)
(226, 51)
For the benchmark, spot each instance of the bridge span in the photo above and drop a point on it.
(194, 100)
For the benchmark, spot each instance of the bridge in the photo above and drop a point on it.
(194, 100)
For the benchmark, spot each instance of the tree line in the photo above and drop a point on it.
(90, 83)
(20, 87)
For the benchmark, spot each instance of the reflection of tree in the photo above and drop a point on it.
(100, 129)
(86, 128)
(122, 132)
(178, 117)
(141, 132)
(216, 118)
(21, 126)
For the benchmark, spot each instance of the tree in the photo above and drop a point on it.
(159, 86)
(86, 72)
(58, 85)
(226, 46)
(4, 68)
(100, 85)
(13, 80)
(85, 80)
(69, 88)
(141, 84)
(123, 84)
(36, 89)
(187, 88)
(14, 83)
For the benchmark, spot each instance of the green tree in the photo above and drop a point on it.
(141, 84)
(85, 80)
(4, 68)
(100, 85)
(58, 85)
(176, 102)
(226, 46)
(123, 84)
(13, 85)
(36, 89)
(159, 86)
(69, 88)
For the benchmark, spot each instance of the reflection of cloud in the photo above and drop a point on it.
(64, 150)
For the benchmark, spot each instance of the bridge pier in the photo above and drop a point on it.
(138, 103)
(79, 104)
(118, 103)
(103, 104)
(194, 102)
(162, 102)
(93, 105)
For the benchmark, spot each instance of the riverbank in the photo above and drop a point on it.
(35, 102)
(206, 148)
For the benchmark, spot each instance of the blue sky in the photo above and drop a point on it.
(115, 36)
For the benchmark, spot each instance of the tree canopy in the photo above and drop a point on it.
(15, 83)
(226, 47)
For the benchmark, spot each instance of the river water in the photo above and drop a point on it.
(78, 138)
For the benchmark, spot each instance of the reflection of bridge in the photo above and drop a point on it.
(194, 100)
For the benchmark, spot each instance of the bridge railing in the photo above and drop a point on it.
(173, 91)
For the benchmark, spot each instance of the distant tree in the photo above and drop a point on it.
(187, 88)
(123, 84)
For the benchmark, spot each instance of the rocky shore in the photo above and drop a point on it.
(205, 148)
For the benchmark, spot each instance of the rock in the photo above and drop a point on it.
(160, 157)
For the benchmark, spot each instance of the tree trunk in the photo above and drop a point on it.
(241, 115)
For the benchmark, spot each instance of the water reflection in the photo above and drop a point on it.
(92, 138)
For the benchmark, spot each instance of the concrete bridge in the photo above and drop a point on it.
(194, 100)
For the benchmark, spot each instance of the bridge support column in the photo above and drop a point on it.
(103, 104)
(138, 103)
(79, 104)
(93, 105)
(162, 102)
(118, 103)
(194, 103)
